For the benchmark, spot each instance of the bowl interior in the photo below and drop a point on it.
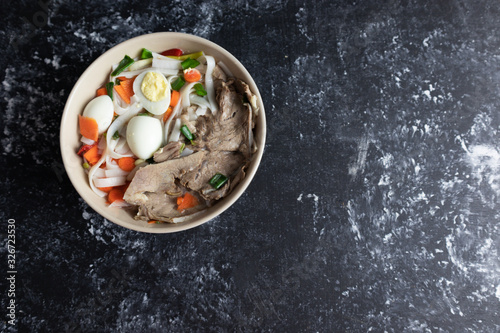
(97, 74)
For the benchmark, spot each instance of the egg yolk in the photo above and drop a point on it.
(153, 87)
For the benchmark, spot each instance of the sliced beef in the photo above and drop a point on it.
(219, 77)
(170, 151)
(226, 163)
(230, 128)
(222, 145)
(155, 188)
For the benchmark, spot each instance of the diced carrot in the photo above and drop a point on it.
(92, 155)
(174, 98)
(102, 91)
(88, 127)
(126, 163)
(125, 89)
(152, 221)
(187, 201)
(115, 194)
(105, 189)
(167, 114)
(192, 75)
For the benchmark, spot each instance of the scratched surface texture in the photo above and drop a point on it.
(376, 206)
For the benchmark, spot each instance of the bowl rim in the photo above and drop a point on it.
(205, 215)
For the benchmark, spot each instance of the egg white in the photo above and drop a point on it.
(101, 109)
(156, 108)
(144, 136)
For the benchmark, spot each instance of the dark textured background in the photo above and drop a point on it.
(376, 206)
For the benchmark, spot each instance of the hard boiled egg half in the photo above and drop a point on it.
(102, 110)
(144, 136)
(153, 91)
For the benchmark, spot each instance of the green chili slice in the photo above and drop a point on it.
(195, 55)
(178, 84)
(187, 133)
(109, 89)
(123, 65)
(146, 54)
(217, 180)
(189, 63)
(200, 91)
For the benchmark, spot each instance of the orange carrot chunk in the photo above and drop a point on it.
(125, 89)
(115, 194)
(187, 201)
(126, 163)
(174, 98)
(167, 114)
(92, 155)
(105, 189)
(88, 127)
(102, 91)
(192, 75)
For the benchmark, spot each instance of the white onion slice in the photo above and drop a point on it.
(198, 100)
(121, 141)
(118, 109)
(166, 63)
(186, 152)
(87, 141)
(167, 72)
(201, 68)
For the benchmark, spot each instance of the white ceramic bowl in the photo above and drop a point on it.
(96, 75)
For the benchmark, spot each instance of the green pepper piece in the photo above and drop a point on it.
(218, 180)
(195, 55)
(178, 84)
(123, 65)
(187, 133)
(146, 54)
(200, 91)
(109, 89)
(189, 63)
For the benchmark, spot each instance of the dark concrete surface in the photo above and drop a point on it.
(375, 209)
